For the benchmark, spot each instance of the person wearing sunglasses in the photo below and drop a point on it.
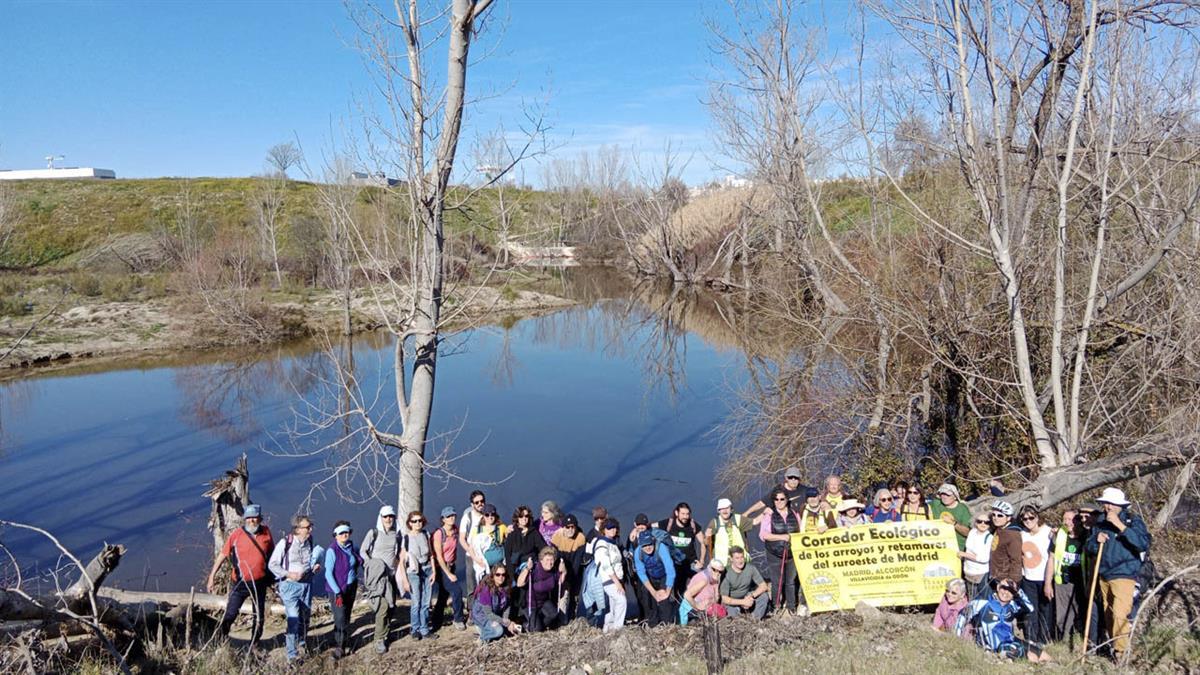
(991, 623)
(419, 573)
(489, 611)
(978, 554)
(380, 552)
(775, 532)
(472, 520)
(914, 506)
(1006, 559)
(246, 550)
(882, 509)
(1038, 569)
(294, 561)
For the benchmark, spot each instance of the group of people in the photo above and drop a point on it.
(1018, 569)
(540, 571)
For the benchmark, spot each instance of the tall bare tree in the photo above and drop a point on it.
(283, 156)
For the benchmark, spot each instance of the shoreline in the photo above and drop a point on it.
(93, 334)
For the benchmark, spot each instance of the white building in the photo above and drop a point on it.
(66, 172)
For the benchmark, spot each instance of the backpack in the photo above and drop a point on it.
(494, 554)
(664, 537)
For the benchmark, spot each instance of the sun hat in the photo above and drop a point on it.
(724, 503)
(1112, 495)
(448, 511)
(851, 504)
(341, 528)
(948, 489)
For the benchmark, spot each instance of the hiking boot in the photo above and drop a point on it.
(416, 636)
(461, 625)
(430, 636)
(380, 647)
(337, 653)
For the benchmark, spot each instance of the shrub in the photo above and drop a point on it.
(85, 284)
(119, 288)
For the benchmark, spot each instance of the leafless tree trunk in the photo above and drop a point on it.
(229, 494)
(268, 210)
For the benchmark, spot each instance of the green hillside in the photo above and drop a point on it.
(60, 218)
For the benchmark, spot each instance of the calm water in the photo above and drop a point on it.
(611, 402)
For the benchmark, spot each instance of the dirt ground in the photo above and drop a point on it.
(91, 330)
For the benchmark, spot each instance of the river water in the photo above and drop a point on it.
(616, 401)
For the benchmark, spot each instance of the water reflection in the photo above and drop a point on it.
(613, 401)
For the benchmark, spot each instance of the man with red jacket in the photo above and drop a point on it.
(247, 549)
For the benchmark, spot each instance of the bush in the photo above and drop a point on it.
(119, 288)
(85, 284)
(11, 305)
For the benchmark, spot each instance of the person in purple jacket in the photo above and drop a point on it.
(544, 581)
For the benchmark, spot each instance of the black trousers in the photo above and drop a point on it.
(341, 615)
(256, 592)
(659, 611)
(543, 617)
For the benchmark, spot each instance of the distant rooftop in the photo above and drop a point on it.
(64, 172)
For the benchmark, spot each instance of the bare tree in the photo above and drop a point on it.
(268, 196)
(283, 156)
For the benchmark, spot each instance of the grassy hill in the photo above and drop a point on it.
(60, 218)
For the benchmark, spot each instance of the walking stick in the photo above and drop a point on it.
(1087, 623)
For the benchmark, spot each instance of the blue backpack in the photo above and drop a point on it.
(663, 537)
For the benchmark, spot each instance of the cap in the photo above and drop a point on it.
(611, 524)
(1112, 495)
(948, 489)
(570, 521)
(387, 510)
(252, 511)
(791, 472)
(645, 539)
(341, 528)
(449, 511)
(641, 519)
(1003, 507)
(723, 503)
(810, 493)
(489, 510)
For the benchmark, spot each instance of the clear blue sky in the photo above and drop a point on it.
(172, 88)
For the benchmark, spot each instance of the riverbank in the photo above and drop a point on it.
(63, 324)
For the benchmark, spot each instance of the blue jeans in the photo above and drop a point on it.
(489, 629)
(297, 604)
(445, 588)
(421, 585)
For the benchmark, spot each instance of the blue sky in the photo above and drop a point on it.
(171, 88)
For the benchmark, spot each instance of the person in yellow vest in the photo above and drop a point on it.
(815, 517)
(1069, 582)
(726, 531)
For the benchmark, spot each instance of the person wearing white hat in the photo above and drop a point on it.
(852, 512)
(1126, 543)
(380, 551)
(727, 530)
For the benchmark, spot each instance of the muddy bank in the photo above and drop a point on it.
(76, 330)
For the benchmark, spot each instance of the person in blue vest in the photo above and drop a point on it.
(342, 569)
(656, 573)
(991, 622)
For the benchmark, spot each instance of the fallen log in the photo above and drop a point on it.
(1055, 486)
(206, 601)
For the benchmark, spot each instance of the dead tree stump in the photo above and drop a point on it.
(229, 494)
(713, 661)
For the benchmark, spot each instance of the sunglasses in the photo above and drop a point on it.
(981, 521)
(781, 499)
(1028, 518)
(885, 499)
(914, 492)
(415, 521)
(499, 575)
(476, 502)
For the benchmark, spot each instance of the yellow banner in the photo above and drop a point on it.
(880, 564)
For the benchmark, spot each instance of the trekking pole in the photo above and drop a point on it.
(1087, 624)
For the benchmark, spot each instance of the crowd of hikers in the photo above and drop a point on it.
(541, 570)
